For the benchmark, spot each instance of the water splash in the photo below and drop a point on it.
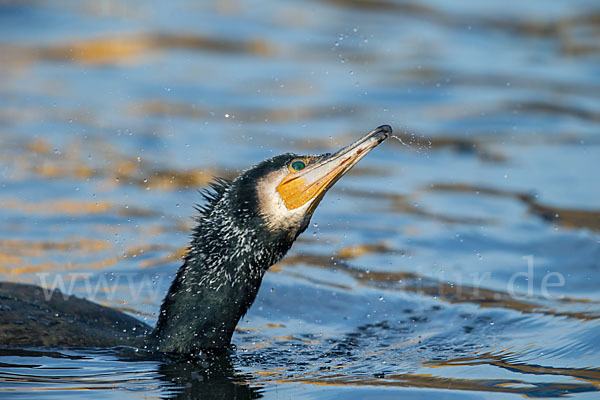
(398, 138)
(414, 143)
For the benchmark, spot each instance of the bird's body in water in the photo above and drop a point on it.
(245, 226)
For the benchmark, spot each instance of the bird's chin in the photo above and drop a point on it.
(303, 225)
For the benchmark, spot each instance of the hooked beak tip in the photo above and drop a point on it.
(383, 132)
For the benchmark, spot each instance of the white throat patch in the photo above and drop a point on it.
(273, 209)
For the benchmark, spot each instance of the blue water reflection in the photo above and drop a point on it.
(113, 114)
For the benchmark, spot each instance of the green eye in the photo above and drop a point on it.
(298, 165)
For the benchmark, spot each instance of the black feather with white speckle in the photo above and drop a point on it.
(230, 251)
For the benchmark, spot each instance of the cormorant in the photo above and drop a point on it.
(245, 226)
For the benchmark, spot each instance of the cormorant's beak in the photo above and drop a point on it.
(311, 183)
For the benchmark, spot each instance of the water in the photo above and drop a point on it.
(462, 264)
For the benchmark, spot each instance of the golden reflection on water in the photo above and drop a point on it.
(527, 389)
(35, 158)
(507, 359)
(131, 48)
(13, 254)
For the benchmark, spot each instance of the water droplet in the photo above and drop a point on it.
(398, 138)
(380, 298)
(316, 225)
(139, 159)
(117, 179)
(145, 180)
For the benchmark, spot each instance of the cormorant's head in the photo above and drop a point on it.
(289, 187)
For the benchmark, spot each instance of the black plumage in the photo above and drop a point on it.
(230, 251)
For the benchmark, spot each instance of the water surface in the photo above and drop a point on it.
(458, 261)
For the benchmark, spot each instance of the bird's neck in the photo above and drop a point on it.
(217, 283)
